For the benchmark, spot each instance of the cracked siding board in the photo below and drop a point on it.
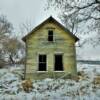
(37, 43)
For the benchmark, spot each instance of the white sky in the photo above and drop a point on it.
(19, 11)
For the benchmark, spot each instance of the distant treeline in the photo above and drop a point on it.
(89, 62)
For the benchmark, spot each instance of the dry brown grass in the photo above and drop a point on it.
(2, 63)
(73, 77)
(76, 78)
(27, 85)
(96, 80)
(80, 76)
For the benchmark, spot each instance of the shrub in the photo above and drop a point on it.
(96, 80)
(2, 63)
(27, 85)
(22, 61)
(80, 73)
(73, 77)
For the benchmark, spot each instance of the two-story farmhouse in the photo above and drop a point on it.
(50, 51)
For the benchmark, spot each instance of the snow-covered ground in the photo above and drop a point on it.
(51, 89)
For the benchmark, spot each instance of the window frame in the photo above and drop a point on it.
(51, 35)
(41, 62)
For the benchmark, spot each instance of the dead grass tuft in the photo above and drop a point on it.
(96, 80)
(27, 85)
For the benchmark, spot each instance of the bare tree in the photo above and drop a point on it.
(25, 27)
(79, 14)
(5, 25)
(11, 48)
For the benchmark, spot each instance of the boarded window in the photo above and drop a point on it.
(50, 35)
(42, 63)
(58, 62)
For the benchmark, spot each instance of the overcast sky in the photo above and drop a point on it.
(19, 11)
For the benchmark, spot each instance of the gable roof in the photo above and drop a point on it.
(50, 19)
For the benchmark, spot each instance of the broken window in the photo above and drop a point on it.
(42, 63)
(50, 35)
(58, 62)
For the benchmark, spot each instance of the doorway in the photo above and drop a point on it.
(58, 65)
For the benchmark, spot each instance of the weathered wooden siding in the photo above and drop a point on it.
(37, 43)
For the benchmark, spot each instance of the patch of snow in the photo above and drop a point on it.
(50, 89)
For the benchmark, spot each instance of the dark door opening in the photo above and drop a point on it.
(58, 62)
(42, 63)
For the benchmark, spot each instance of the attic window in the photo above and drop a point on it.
(50, 35)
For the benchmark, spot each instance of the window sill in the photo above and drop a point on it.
(50, 42)
(59, 71)
(47, 71)
(42, 71)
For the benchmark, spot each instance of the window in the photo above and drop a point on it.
(42, 63)
(50, 35)
(58, 62)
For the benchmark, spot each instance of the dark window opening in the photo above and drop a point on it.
(50, 35)
(42, 63)
(58, 62)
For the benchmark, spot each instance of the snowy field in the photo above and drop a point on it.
(52, 89)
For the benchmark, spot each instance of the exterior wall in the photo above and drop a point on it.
(37, 43)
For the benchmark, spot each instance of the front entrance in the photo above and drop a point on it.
(58, 65)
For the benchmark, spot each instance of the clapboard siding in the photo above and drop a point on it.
(37, 43)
